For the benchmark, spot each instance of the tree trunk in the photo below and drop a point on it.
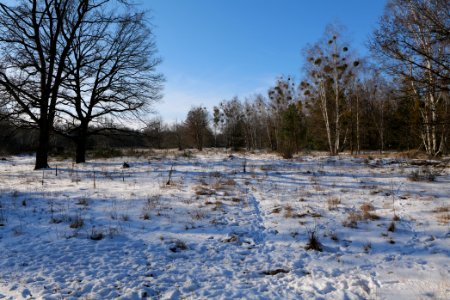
(358, 148)
(324, 109)
(337, 125)
(80, 154)
(43, 147)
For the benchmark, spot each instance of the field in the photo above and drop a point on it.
(213, 225)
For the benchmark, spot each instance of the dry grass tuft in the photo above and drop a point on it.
(276, 210)
(352, 220)
(96, 235)
(230, 182)
(313, 241)
(288, 211)
(77, 222)
(217, 205)
(178, 246)
(83, 201)
(443, 219)
(392, 226)
(236, 199)
(198, 214)
(367, 212)
(204, 191)
(442, 209)
(333, 203)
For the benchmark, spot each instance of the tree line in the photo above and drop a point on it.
(395, 99)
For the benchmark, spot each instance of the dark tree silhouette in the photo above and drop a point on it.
(197, 125)
(35, 41)
(111, 72)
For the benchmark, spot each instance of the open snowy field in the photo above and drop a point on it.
(199, 227)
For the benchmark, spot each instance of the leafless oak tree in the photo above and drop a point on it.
(197, 125)
(111, 72)
(35, 40)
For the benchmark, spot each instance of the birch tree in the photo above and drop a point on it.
(412, 42)
(330, 68)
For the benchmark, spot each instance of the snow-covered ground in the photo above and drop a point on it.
(101, 231)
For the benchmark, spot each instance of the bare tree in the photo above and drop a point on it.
(232, 118)
(330, 70)
(35, 41)
(196, 123)
(111, 72)
(280, 97)
(285, 107)
(412, 42)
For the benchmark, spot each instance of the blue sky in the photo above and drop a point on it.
(216, 49)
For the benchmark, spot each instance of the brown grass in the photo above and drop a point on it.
(77, 222)
(236, 199)
(443, 216)
(313, 241)
(367, 212)
(442, 209)
(352, 220)
(203, 191)
(333, 203)
(366, 207)
(230, 182)
(217, 205)
(288, 211)
(443, 219)
(276, 210)
(198, 214)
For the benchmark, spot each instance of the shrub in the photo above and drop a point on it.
(367, 214)
(178, 246)
(423, 174)
(352, 220)
(96, 235)
(146, 215)
(313, 241)
(77, 222)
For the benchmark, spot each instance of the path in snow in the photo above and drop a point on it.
(236, 240)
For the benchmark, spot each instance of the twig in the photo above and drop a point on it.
(169, 182)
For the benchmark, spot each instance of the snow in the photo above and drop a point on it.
(217, 232)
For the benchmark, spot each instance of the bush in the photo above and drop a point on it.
(96, 235)
(423, 174)
(77, 222)
(313, 241)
